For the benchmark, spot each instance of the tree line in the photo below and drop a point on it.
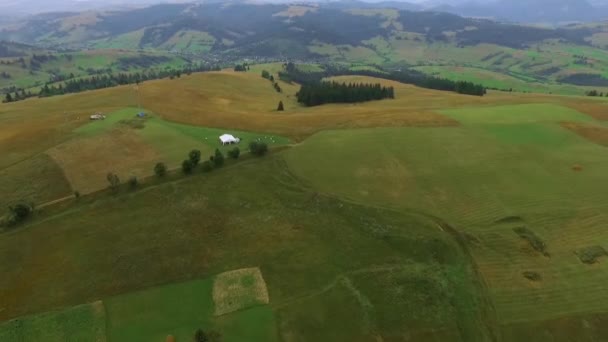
(292, 74)
(595, 93)
(318, 93)
(106, 81)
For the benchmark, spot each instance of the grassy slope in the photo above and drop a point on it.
(504, 161)
(232, 102)
(201, 233)
(251, 214)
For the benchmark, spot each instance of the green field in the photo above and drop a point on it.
(81, 323)
(431, 217)
(287, 234)
(142, 316)
(505, 162)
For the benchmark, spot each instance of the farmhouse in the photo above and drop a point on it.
(228, 139)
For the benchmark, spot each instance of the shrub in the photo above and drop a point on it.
(258, 148)
(211, 336)
(160, 169)
(187, 166)
(218, 158)
(18, 213)
(234, 153)
(195, 157)
(532, 276)
(207, 166)
(280, 108)
(200, 336)
(535, 242)
(113, 180)
(77, 194)
(133, 182)
(589, 255)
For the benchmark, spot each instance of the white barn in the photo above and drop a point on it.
(228, 139)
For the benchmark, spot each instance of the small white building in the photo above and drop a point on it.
(97, 116)
(228, 139)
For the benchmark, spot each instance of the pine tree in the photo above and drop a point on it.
(8, 98)
(280, 108)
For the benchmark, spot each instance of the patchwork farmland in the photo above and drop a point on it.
(433, 216)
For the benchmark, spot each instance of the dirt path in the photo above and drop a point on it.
(59, 200)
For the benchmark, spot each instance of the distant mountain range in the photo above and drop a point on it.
(393, 34)
(530, 11)
(524, 11)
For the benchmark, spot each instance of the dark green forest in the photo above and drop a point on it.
(314, 94)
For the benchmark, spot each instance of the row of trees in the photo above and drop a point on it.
(314, 94)
(275, 85)
(192, 162)
(595, 93)
(106, 81)
(20, 212)
(241, 67)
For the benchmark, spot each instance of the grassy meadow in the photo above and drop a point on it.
(430, 217)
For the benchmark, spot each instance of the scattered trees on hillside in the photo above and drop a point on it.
(313, 94)
(195, 157)
(277, 87)
(160, 169)
(280, 108)
(258, 148)
(113, 180)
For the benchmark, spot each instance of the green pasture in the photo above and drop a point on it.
(149, 315)
(504, 162)
(174, 140)
(516, 114)
(324, 261)
(80, 323)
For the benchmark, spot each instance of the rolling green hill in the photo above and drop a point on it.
(433, 216)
